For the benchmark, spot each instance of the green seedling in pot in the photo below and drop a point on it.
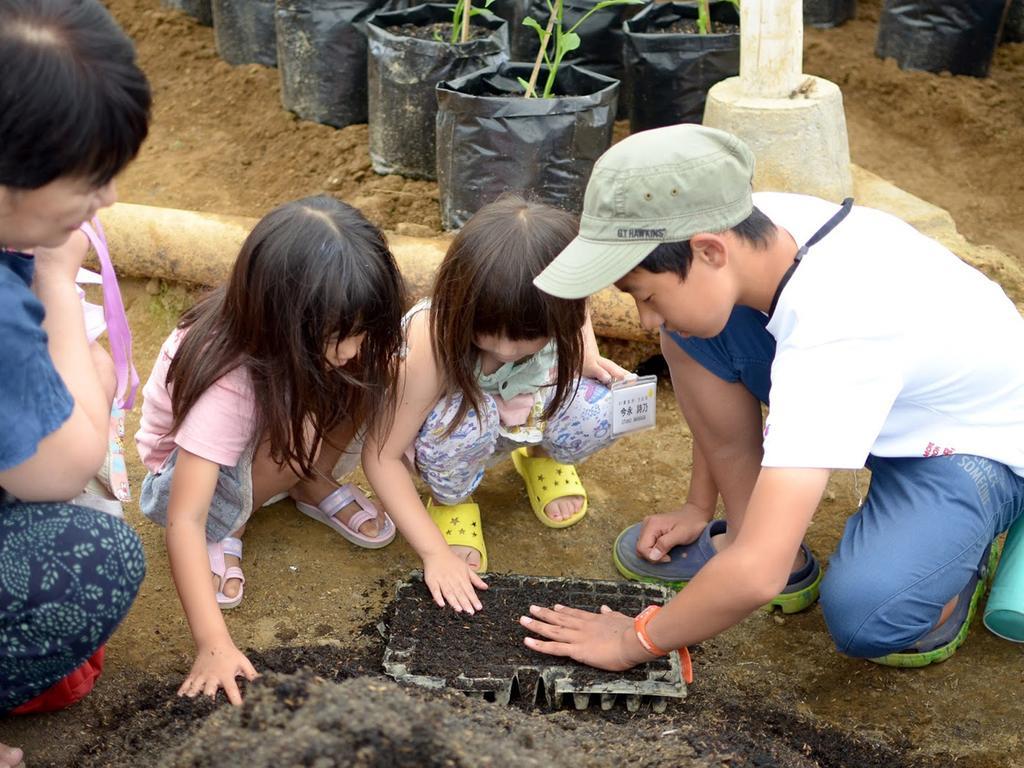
(566, 41)
(461, 14)
(704, 15)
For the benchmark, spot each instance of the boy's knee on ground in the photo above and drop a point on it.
(865, 616)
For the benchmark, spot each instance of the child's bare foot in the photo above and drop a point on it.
(461, 523)
(10, 757)
(315, 490)
(470, 555)
(563, 507)
(231, 586)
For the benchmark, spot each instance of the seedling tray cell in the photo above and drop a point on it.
(484, 656)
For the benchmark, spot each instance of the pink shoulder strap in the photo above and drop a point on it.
(118, 332)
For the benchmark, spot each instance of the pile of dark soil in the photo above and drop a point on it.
(327, 706)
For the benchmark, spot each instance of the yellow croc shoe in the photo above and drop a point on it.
(461, 527)
(547, 480)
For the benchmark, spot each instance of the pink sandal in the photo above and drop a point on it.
(339, 499)
(216, 551)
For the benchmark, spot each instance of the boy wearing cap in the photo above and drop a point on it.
(878, 346)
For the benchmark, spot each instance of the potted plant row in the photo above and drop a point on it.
(319, 47)
(533, 128)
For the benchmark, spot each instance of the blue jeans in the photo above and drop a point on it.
(68, 575)
(920, 533)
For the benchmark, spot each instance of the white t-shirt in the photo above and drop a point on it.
(888, 344)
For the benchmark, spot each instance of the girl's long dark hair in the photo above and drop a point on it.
(485, 286)
(312, 272)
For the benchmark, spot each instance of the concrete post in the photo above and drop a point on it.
(793, 122)
(771, 47)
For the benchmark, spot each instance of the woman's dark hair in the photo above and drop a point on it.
(74, 101)
(757, 229)
(485, 286)
(310, 274)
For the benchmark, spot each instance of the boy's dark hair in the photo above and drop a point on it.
(73, 102)
(757, 229)
(485, 286)
(311, 272)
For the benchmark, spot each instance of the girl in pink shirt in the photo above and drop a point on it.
(260, 391)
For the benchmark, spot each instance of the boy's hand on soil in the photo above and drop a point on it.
(605, 640)
(217, 666)
(450, 580)
(660, 533)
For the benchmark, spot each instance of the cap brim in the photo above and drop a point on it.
(585, 267)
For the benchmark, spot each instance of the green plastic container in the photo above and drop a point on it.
(1004, 612)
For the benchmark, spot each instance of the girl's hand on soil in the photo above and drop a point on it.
(660, 533)
(605, 640)
(450, 580)
(215, 667)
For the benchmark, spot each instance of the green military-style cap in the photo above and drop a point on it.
(658, 186)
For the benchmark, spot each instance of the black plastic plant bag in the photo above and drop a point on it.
(668, 74)
(491, 140)
(403, 72)
(200, 10)
(521, 39)
(958, 36)
(321, 52)
(244, 31)
(828, 13)
(1013, 29)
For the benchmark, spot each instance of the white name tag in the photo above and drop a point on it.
(634, 402)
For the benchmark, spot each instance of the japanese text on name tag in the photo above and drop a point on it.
(634, 403)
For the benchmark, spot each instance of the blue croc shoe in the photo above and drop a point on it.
(801, 591)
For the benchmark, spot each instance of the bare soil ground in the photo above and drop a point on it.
(772, 691)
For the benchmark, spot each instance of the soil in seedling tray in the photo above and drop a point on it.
(439, 32)
(468, 652)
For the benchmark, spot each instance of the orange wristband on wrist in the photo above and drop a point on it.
(640, 627)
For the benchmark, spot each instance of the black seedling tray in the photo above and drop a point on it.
(483, 655)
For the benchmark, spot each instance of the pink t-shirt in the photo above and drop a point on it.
(219, 427)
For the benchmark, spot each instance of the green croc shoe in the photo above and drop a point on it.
(943, 641)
